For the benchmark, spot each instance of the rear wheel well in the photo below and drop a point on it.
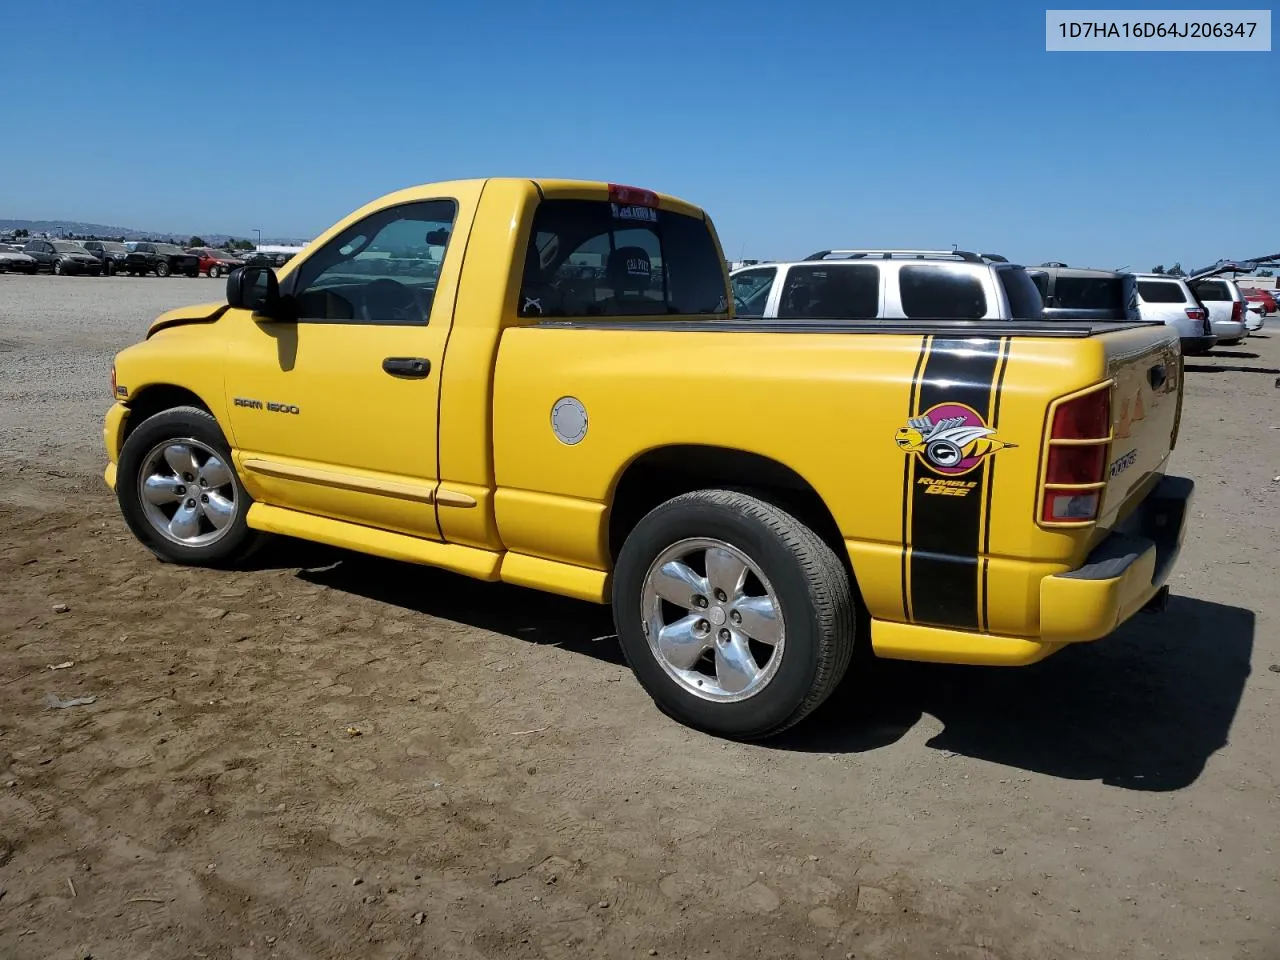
(152, 400)
(657, 476)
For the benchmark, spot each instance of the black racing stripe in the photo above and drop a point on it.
(946, 530)
(908, 464)
(990, 467)
(986, 622)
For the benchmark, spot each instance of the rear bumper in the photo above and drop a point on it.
(1198, 344)
(1122, 574)
(1228, 329)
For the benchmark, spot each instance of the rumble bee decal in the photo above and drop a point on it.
(950, 438)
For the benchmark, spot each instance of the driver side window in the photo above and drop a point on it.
(382, 270)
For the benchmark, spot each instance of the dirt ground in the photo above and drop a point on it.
(332, 756)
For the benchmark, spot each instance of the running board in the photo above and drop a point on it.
(481, 564)
(537, 573)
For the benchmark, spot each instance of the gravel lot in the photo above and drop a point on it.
(332, 756)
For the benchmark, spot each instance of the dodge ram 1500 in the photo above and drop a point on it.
(542, 382)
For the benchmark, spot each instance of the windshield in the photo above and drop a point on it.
(69, 248)
(111, 246)
(168, 248)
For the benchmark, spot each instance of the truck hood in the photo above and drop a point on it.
(198, 313)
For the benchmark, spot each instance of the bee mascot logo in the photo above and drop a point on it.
(950, 438)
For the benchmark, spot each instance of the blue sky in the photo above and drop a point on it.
(798, 125)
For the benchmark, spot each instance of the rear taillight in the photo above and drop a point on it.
(1237, 311)
(113, 380)
(1075, 469)
(1201, 314)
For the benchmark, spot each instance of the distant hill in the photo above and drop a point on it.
(77, 228)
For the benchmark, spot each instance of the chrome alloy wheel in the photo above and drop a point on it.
(187, 492)
(713, 620)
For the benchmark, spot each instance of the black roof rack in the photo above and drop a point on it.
(883, 254)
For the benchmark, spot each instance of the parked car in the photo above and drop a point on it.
(13, 260)
(812, 475)
(260, 259)
(1076, 293)
(1255, 315)
(1222, 298)
(1260, 295)
(63, 257)
(215, 263)
(110, 253)
(1169, 300)
(162, 259)
(887, 285)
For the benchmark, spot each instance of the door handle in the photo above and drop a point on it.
(413, 367)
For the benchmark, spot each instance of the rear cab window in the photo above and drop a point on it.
(1162, 291)
(597, 258)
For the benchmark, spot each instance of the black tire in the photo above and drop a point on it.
(214, 272)
(162, 268)
(58, 269)
(236, 544)
(812, 588)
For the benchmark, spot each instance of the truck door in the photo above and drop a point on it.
(335, 414)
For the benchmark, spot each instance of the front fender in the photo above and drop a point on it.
(182, 316)
(180, 361)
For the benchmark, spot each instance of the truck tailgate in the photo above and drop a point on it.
(1145, 367)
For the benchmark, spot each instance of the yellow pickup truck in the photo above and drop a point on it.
(542, 382)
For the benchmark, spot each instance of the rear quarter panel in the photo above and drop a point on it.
(829, 406)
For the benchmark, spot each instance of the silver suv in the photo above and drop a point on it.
(1170, 301)
(887, 285)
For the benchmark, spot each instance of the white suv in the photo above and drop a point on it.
(1169, 300)
(887, 285)
(1226, 306)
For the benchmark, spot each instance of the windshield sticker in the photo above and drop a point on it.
(638, 214)
(951, 439)
(547, 255)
